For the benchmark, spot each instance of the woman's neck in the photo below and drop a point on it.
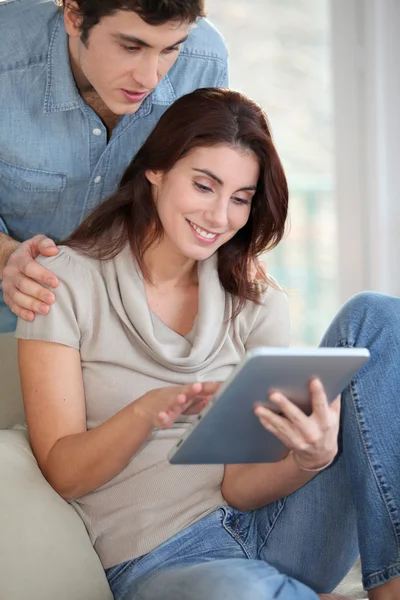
(168, 267)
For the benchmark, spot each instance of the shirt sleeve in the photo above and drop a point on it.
(68, 317)
(270, 325)
(224, 81)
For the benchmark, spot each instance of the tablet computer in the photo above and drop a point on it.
(227, 430)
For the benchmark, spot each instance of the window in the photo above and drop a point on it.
(280, 56)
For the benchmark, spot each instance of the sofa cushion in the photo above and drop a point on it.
(45, 552)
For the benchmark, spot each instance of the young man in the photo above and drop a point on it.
(81, 87)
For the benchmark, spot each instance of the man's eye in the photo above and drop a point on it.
(131, 48)
(171, 50)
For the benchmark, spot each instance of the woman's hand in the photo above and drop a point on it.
(313, 439)
(161, 407)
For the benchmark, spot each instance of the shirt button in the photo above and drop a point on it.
(97, 179)
(96, 131)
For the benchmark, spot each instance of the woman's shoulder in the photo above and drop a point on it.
(267, 321)
(68, 261)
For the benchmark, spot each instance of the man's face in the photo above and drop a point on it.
(124, 58)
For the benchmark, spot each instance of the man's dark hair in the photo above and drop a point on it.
(153, 12)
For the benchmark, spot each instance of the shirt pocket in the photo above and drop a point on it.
(28, 192)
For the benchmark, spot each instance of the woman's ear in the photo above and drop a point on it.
(154, 177)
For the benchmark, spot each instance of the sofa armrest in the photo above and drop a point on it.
(11, 405)
(45, 551)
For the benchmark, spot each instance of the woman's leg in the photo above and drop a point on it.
(203, 561)
(371, 432)
(311, 535)
(238, 579)
(313, 538)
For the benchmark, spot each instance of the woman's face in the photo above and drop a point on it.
(205, 198)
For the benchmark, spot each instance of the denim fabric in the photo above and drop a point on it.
(207, 560)
(314, 535)
(53, 168)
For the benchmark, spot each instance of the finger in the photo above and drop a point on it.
(201, 388)
(36, 271)
(42, 242)
(164, 420)
(27, 302)
(49, 250)
(336, 404)
(33, 289)
(290, 410)
(209, 388)
(289, 437)
(26, 315)
(279, 423)
(197, 406)
(319, 400)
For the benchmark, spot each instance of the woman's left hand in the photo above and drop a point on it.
(313, 439)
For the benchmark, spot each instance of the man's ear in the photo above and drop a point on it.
(72, 19)
(154, 177)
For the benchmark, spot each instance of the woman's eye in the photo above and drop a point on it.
(241, 200)
(202, 188)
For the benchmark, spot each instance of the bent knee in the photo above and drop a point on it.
(373, 305)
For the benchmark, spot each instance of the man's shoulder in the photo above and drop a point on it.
(205, 41)
(25, 32)
(202, 62)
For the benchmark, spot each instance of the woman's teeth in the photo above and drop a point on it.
(203, 233)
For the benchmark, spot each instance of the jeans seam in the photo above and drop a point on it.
(278, 514)
(355, 401)
(387, 499)
(235, 533)
(381, 577)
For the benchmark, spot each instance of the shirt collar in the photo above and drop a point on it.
(61, 91)
(164, 93)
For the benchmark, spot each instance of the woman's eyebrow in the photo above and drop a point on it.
(249, 188)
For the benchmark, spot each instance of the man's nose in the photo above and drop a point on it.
(146, 73)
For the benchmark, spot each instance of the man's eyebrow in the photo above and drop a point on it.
(250, 188)
(132, 39)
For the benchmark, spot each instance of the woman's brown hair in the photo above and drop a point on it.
(205, 117)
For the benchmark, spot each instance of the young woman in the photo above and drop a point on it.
(154, 307)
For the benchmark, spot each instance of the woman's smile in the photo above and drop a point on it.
(203, 235)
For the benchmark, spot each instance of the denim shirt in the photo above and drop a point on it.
(55, 162)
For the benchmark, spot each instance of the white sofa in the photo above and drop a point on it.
(45, 552)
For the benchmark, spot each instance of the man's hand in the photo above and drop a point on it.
(22, 278)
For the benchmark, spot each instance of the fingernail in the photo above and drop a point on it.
(49, 299)
(43, 308)
(52, 282)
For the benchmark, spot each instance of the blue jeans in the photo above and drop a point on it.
(305, 543)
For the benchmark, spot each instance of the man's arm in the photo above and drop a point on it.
(7, 247)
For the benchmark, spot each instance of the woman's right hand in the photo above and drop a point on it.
(161, 407)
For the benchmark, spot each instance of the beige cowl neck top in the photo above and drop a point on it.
(126, 350)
